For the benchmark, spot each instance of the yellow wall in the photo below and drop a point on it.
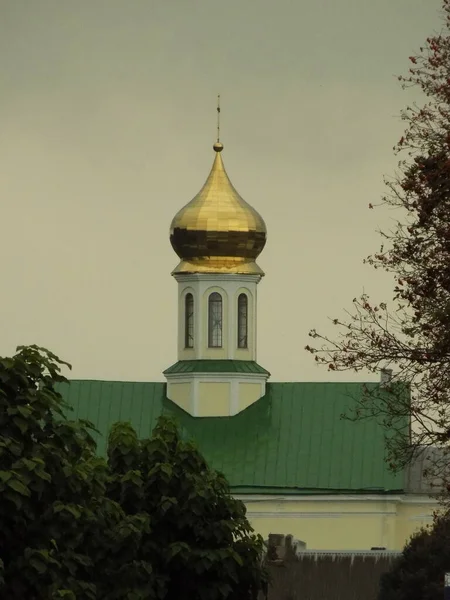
(411, 518)
(181, 394)
(248, 393)
(341, 525)
(186, 353)
(213, 399)
(244, 353)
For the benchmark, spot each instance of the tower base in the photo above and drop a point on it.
(215, 392)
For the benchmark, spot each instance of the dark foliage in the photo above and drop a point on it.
(151, 522)
(418, 574)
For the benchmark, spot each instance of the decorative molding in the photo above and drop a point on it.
(349, 553)
(217, 377)
(189, 277)
(327, 498)
(418, 499)
(227, 377)
(319, 515)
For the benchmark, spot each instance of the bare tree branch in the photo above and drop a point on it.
(412, 336)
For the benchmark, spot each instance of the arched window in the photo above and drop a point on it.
(242, 321)
(215, 321)
(189, 321)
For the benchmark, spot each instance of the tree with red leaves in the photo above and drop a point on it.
(413, 336)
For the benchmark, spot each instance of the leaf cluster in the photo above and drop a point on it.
(418, 574)
(199, 539)
(153, 521)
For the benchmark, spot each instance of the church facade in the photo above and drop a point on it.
(283, 447)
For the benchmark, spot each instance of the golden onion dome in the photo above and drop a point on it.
(217, 231)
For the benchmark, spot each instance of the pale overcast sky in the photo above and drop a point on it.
(107, 117)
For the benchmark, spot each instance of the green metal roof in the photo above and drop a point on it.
(216, 366)
(292, 441)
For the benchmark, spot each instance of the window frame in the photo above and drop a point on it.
(189, 321)
(215, 320)
(242, 321)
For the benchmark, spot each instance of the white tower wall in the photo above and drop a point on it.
(229, 286)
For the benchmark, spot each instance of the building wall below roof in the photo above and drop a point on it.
(415, 513)
(213, 399)
(183, 393)
(216, 394)
(249, 393)
(342, 523)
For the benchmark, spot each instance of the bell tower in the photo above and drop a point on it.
(217, 237)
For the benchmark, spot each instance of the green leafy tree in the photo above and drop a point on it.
(57, 526)
(411, 335)
(200, 542)
(152, 522)
(418, 574)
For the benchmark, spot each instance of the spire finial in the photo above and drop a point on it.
(218, 118)
(218, 147)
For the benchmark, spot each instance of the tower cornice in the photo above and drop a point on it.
(217, 277)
